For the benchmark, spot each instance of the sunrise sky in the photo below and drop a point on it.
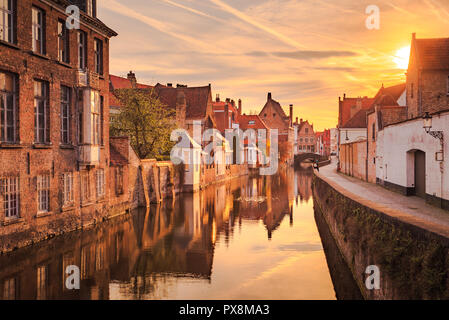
(306, 52)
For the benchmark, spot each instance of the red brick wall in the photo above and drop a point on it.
(53, 159)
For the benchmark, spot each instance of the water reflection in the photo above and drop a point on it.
(250, 238)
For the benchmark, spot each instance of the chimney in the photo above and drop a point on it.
(291, 115)
(170, 85)
(132, 78)
(228, 100)
(226, 110)
(300, 121)
(344, 96)
(217, 97)
(240, 106)
(296, 120)
(233, 103)
(269, 96)
(414, 36)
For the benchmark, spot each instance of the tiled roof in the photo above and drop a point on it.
(357, 121)
(391, 114)
(244, 122)
(394, 92)
(276, 106)
(197, 99)
(116, 83)
(432, 53)
(347, 103)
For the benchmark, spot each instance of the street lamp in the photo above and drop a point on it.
(427, 122)
(427, 125)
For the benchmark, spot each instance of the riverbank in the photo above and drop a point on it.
(407, 239)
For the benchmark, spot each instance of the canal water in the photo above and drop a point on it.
(249, 238)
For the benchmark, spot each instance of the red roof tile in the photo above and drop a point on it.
(252, 121)
(357, 121)
(432, 53)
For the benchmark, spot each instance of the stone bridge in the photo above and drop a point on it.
(308, 156)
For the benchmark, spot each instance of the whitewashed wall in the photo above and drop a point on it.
(394, 164)
(353, 134)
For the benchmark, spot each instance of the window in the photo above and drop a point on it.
(41, 293)
(65, 114)
(9, 289)
(91, 8)
(82, 50)
(412, 90)
(85, 186)
(9, 195)
(98, 56)
(307, 130)
(7, 15)
(41, 112)
(119, 180)
(43, 193)
(100, 183)
(38, 24)
(96, 118)
(374, 132)
(8, 108)
(67, 188)
(101, 120)
(63, 42)
(251, 122)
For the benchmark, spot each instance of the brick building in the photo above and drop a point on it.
(306, 137)
(54, 141)
(427, 76)
(274, 117)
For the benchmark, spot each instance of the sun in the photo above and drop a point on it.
(401, 58)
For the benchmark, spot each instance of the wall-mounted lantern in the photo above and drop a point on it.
(427, 125)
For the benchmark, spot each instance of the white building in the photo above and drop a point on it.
(409, 159)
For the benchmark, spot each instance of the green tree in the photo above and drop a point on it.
(146, 121)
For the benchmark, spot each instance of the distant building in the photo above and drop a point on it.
(323, 142)
(226, 113)
(306, 137)
(274, 117)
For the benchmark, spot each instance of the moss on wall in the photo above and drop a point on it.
(414, 262)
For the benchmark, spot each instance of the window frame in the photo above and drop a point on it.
(67, 189)
(4, 95)
(44, 98)
(119, 180)
(10, 197)
(98, 55)
(66, 108)
(40, 28)
(82, 50)
(64, 39)
(43, 193)
(86, 194)
(100, 183)
(8, 34)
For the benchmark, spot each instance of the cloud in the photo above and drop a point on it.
(253, 22)
(303, 55)
(200, 13)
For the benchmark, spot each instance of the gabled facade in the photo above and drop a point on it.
(428, 76)
(274, 117)
(306, 137)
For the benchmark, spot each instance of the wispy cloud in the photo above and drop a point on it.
(192, 10)
(241, 15)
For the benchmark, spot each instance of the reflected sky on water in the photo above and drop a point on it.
(249, 238)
